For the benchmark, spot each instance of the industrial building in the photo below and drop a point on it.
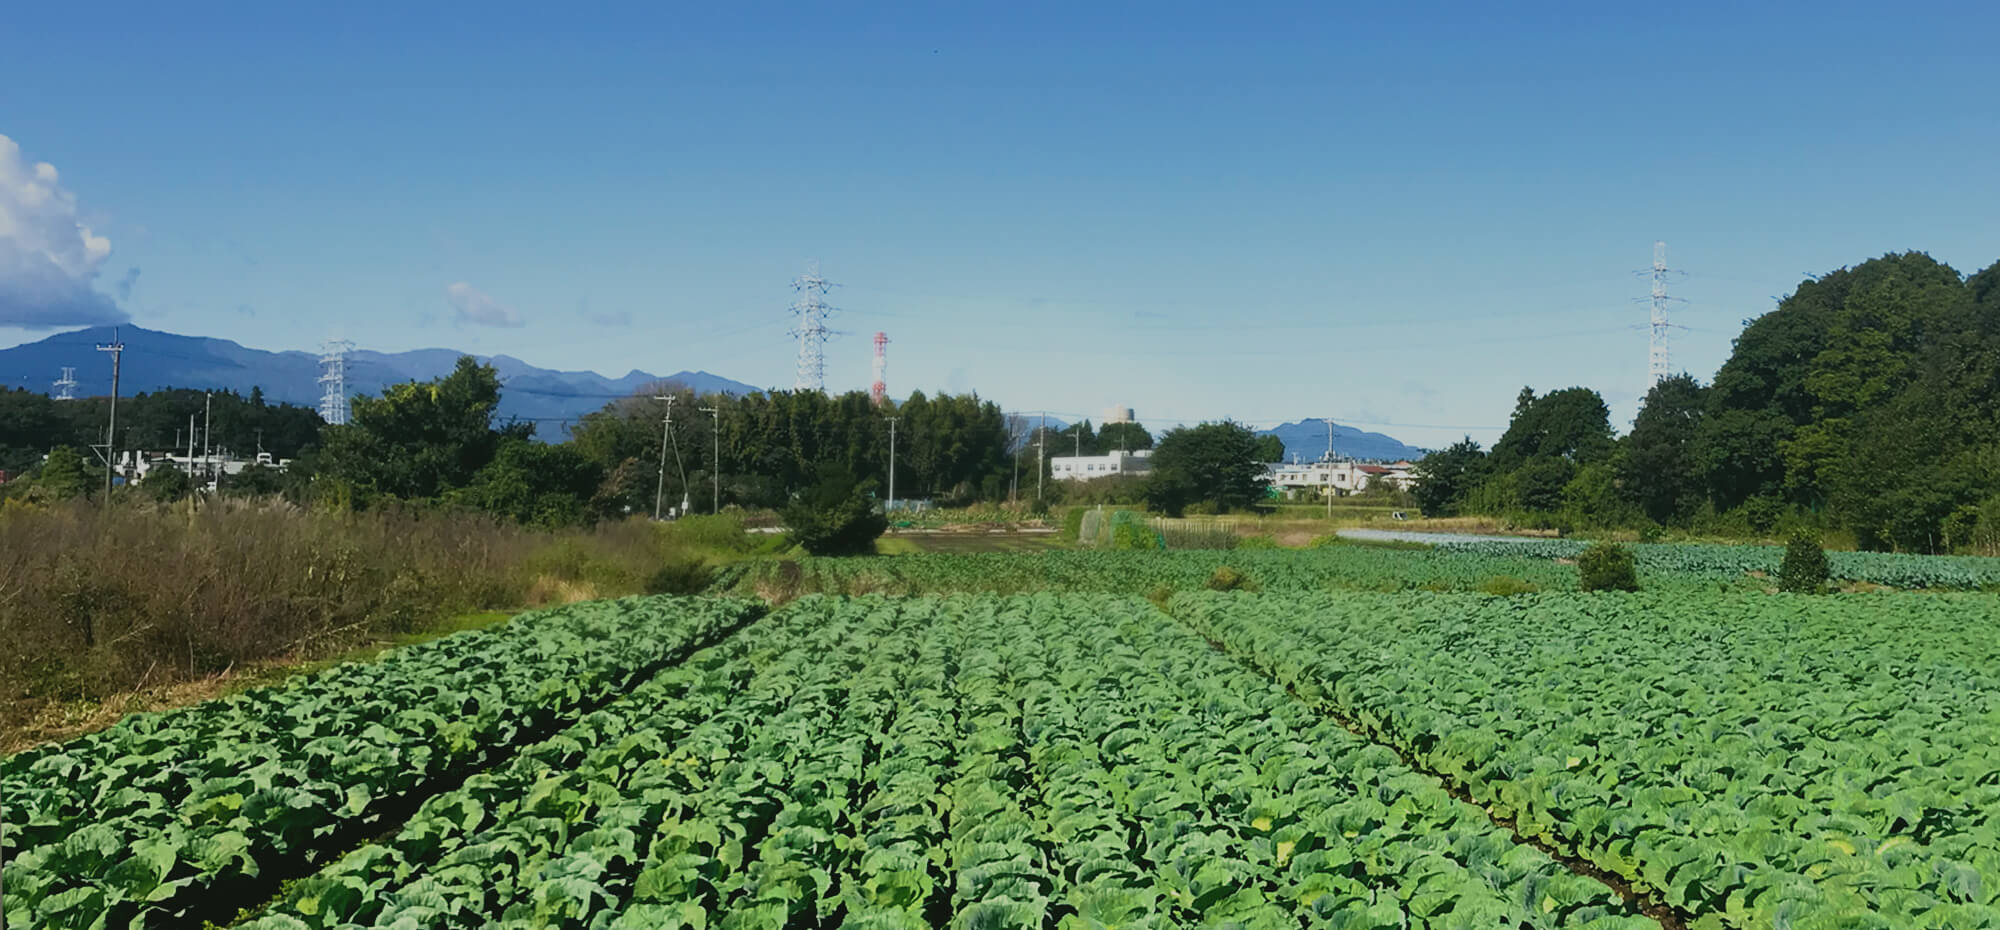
(1086, 467)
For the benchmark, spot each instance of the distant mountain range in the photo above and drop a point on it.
(1307, 440)
(154, 360)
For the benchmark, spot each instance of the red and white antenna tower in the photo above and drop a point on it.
(879, 391)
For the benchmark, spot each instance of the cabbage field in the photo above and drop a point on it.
(1311, 754)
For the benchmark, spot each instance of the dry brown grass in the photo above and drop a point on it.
(104, 612)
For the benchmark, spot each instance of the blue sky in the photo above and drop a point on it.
(1395, 214)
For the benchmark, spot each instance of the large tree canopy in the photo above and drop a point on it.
(1218, 466)
(1868, 400)
(1659, 470)
(420, 439)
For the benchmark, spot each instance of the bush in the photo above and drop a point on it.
(1229, 579)
(835, 516)
(1607, 566)
(1804, 570)
(1262, 541)
(680, 576)
(1506, 586)
(167, 485)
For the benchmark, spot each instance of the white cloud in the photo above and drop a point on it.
(48, 257)
(472, 305)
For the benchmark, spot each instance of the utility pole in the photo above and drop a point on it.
(1041, 453)
(666, 427)
(117, 349)
(892, 464)
(1329, 469)
(205, 457)
(715, 460)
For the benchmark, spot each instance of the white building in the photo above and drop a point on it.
(135, 464)
(1342, 478)
(1339, 478)
(1086, 467)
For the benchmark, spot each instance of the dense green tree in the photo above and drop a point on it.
(166, 484)
(1270, 449)
(948, 447)
(1130, 437)
(536, 483)
(254, 481)
(419, 440)
(1447, 477)
(1594, 498)
(29, 428)
(1659, 470)
(835, 515)
(64, 475)
(1539, 482)
(1215, 465)
(1572, 424)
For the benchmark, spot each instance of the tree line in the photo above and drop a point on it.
(32, 423)
(442, 443)
(1867, 401)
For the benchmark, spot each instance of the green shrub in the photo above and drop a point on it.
(721, 532)
(680, 576)
(1607, 566)
(1804, 570)
(1264, 541)
(835, 516)
(1506, 586)
(1229, 579)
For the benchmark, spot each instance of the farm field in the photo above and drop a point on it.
(1352, 740)
(1452, 566)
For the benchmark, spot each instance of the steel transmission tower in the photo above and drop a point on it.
(66, 388)
(878, 391)
(333, 381)
(1660, 364)
(811, 309)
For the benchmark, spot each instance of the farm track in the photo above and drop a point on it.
(1669, 917)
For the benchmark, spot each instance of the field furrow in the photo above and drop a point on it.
(181, 816)
(1758, 764)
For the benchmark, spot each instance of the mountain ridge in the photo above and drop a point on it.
(155, 359)
(1307, 439)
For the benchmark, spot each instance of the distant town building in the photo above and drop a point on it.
(1339, 478)
(1117, 414)
(135, 464)
(1086, 467)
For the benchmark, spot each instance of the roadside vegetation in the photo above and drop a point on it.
(108, 610)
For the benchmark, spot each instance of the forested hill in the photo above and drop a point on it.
(1868, 402)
